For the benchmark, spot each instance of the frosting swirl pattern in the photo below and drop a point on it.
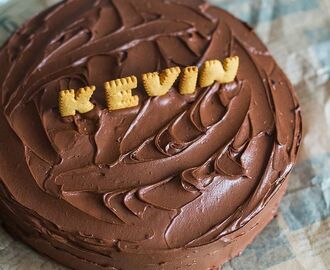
(175, 176)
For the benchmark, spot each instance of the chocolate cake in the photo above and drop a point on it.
(180, 181)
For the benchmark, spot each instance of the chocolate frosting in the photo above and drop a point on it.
(175, 175)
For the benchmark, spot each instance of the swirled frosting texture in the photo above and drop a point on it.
(176, 175)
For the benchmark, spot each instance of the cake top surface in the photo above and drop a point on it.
(136, 178)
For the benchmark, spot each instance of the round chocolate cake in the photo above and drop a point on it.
(176, 182)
